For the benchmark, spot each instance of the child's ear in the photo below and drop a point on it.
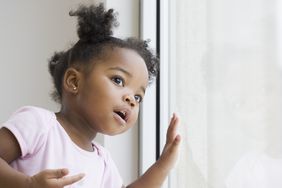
(71, 80)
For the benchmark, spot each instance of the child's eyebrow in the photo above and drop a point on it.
(127, 73)
(122, 70)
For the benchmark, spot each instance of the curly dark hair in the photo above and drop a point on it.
(94, 30)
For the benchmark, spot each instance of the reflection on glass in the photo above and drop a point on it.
(226, 84)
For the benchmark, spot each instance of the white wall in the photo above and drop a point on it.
(30, 32)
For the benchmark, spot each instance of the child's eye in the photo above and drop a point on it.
(138, 98)
(118, 80)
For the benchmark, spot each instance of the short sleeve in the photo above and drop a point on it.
(28, 125)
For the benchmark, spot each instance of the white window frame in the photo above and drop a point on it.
(148, 113)
(147, 119)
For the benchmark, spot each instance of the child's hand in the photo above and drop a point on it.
(170, 151)
(156, 174)
(53, 179)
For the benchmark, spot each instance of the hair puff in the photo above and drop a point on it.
(94, 22)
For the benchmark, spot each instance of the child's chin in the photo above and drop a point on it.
(114, 132)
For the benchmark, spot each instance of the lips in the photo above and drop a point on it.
(122, 115)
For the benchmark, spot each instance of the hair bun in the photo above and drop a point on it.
(94, 22)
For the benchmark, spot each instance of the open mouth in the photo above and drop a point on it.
(122, 114)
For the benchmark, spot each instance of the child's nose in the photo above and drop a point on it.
(130, 100)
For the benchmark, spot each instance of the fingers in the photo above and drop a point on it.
(172, 130)
(70, 179)
(55, 178)
(174, 145)
(60, 175)
(177, 140)
(56, 173)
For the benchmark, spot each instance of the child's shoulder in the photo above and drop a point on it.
(28, 116)
(32, 111)
(30, 125)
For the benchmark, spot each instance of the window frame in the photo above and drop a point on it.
(155, 111)
(147, 118)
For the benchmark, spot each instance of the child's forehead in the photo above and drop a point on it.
(122, 56)
(120, 52)
(123, 60)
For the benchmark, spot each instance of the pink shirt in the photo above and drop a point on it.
(45, 145)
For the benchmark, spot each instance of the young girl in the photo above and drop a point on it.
(99, 82)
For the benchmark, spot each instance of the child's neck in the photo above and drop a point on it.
(78, 134)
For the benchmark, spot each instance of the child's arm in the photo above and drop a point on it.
(10, 178)
(156, 174)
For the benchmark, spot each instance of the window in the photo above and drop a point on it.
(221, 71)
